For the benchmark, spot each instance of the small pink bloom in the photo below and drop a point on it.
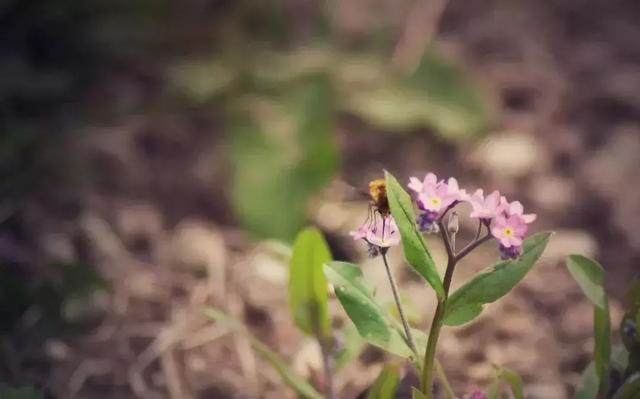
(418, 186)
(454, 191)
(509, 230)
(486, 208)
(434, 198)
(516, 208)
(383, 233)
(477, 395)
(434, 195)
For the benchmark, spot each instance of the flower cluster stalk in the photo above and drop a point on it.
(438, 317)
(396, 298)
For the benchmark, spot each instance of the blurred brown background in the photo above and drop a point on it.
(158, 156)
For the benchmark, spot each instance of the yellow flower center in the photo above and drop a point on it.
(508, 231)
(435, 201)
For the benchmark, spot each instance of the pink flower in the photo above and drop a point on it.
(455, 192)
(360, 233)
(383, 233)
(486, 208)
(509, 230)
(379, 234)
(416, 185)
(434, 195)
(476, 395)
(516, 208)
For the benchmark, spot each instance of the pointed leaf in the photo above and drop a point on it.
(350, 345)
(494, 283)
(295, 381)
(416, 394)
(415, 249)
(307, 284)
(386, 384)
(590, 277)
(356, 297)
(514, 380)
(493, 392)
(630, 389)
(588, 387)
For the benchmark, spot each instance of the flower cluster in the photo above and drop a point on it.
(434, 198)
(505, 220)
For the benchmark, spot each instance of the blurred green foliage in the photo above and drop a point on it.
(386, 384)
(9, 392)
(280, 109)
(281, 151)
(278, 90)
(61, 300)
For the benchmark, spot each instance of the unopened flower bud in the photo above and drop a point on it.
(453, 226)
(508, 253)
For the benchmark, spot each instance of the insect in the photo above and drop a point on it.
(378, 194)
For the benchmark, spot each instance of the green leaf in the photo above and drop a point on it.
(511, 377)
(415, 249)
(514, 380)
(296, 382)
(463, 314)
(416, 394)
(282, 151)
(493, 392)
(492, 284)
(590, 277)
(307, 284)
(356, 297)
(8, 392)
(588, 387)
(630, 389)
(630, 324)
(386, 384)
(350, 347)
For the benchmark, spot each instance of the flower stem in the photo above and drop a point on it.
(430, 352)
(436, 324)
(396, 298)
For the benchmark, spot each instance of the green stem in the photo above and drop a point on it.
(396, 298)
(436, 324)
(430, 352)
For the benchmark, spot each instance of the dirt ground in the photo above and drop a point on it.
(563, 83)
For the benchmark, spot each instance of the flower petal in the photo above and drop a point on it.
(415, 184)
